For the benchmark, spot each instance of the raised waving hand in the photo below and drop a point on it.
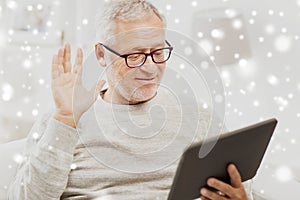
(70, 97)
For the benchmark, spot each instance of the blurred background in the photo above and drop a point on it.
(254, 43)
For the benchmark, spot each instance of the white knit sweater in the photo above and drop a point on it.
(116, 152)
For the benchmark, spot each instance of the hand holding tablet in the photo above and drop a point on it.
(235, 190)
(244, 148)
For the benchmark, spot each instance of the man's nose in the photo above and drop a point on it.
(149, 66)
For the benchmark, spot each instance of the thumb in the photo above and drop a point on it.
(97, 88)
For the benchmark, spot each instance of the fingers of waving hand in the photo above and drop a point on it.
(67, 58)
(77, 67)
(61, 58)
(78, 61)
(57, 64)
(64, 58)
(57, 69)
(61, 63)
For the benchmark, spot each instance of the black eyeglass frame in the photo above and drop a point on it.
(146, 54)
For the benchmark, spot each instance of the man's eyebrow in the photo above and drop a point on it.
(145, 48)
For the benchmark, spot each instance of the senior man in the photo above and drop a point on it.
(62, 153)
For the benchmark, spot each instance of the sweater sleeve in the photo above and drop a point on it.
(48, 154)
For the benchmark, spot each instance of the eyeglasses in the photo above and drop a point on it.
(134, 60)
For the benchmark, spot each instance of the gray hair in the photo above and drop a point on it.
(123, 10)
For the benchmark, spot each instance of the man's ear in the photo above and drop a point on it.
(100, 54)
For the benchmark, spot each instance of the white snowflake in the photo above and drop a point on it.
(237, 24)
(168, 7)
(270, 29)
(256, 103)
(12, 4)
(18, 158)
(251, 21)
(200, 34)
(85, 21)
(243, 92)
(217, 33)
(27, 64)
(271, 12)
(293, 141)
(261, 39)
(204, 105)
(41, 81)
(253, 12)
(35, 112)
(269, 54)
(283, 174)
(243, 63)
(283, 43)
(19, 114)
(7, 92)
(10, 32)
(281, 14)
(73, 166)
(272, 79)
(194, 3)
(236, 56)
(207, 46)
(35, 136)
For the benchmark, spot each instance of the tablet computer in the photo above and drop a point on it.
(244, 147)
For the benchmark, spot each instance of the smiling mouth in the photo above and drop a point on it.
(145, 79)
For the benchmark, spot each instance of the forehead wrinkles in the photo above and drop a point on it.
(142, 37)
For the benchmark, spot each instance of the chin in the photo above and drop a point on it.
(145, 92)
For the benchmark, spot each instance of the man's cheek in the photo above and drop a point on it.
(123, 73)
(125, 78)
